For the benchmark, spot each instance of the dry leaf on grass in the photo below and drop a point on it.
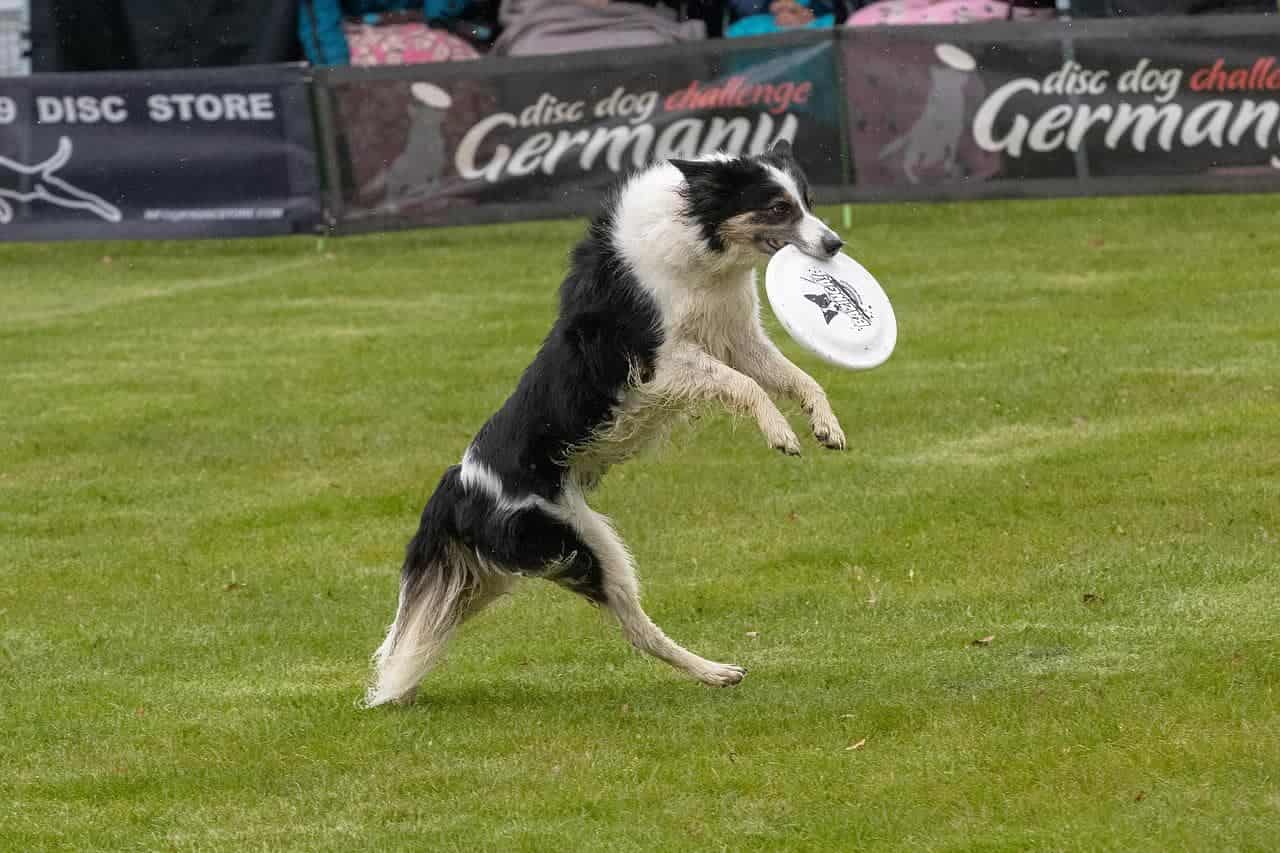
(1092, 598)
(859, 745)
(984, 641)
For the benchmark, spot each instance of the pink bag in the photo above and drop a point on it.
(890, 12)
(404, 44)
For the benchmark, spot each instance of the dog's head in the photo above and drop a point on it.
(755, 203)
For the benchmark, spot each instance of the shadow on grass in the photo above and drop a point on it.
(519, 697)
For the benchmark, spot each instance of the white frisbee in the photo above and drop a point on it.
(431, 95)
(833, 308)
(960, 60)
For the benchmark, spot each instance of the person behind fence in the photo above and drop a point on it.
(761, 17)
(394, 32)
(566, 26)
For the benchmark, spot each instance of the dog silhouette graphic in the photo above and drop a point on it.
(22, 184)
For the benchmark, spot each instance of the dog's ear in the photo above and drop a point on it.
(694, 170)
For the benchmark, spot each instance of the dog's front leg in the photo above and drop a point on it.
(692, 375)
(761, 360)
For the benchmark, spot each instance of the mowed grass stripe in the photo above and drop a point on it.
(205, 490)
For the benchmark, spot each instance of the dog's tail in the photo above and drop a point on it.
(438, 582)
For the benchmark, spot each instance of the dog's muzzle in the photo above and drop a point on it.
(816, 240)
(811, 236)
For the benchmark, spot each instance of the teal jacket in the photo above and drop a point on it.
(320, 23)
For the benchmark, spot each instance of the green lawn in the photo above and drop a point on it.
(212, 454)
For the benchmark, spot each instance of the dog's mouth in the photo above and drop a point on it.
(773, 245)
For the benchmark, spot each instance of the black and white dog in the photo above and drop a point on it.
(659, 313)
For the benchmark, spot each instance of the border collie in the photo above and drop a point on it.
(659, 313)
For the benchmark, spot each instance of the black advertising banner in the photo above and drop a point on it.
(515, 138)
(1022, 109)
(141, 155)
(927, 112)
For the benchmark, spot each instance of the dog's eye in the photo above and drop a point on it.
(782, 208)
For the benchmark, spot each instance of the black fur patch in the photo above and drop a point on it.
(781, 156)
(607, 325)
(717, 190)
(607, 328)
(438, 525)
(528, 541)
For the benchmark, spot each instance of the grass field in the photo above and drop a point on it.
(212, 454)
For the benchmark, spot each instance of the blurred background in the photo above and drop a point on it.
(76, 35)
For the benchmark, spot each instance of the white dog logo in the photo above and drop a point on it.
(415, 173)
(935, 137)
(21, 184)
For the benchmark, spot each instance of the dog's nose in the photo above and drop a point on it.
(831, 244)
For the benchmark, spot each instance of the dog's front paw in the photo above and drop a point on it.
(721, 675)
(786, 443)
(775, 427)
(826, 429)
(779, 433)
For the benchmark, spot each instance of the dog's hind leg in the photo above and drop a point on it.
(612, 582)
(576, 547)
(442, 584)
(435, 598)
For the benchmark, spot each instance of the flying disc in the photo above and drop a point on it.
(833, 308)
(431, 95)
(958, 59)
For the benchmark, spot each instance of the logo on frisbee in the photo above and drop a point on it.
(837, 298)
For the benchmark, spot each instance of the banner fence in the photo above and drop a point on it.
(931, 112)
(510, 139)
(934, 112)
(1097, 107)
(149, 155)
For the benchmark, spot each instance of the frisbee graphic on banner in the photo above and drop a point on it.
(833, 308)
